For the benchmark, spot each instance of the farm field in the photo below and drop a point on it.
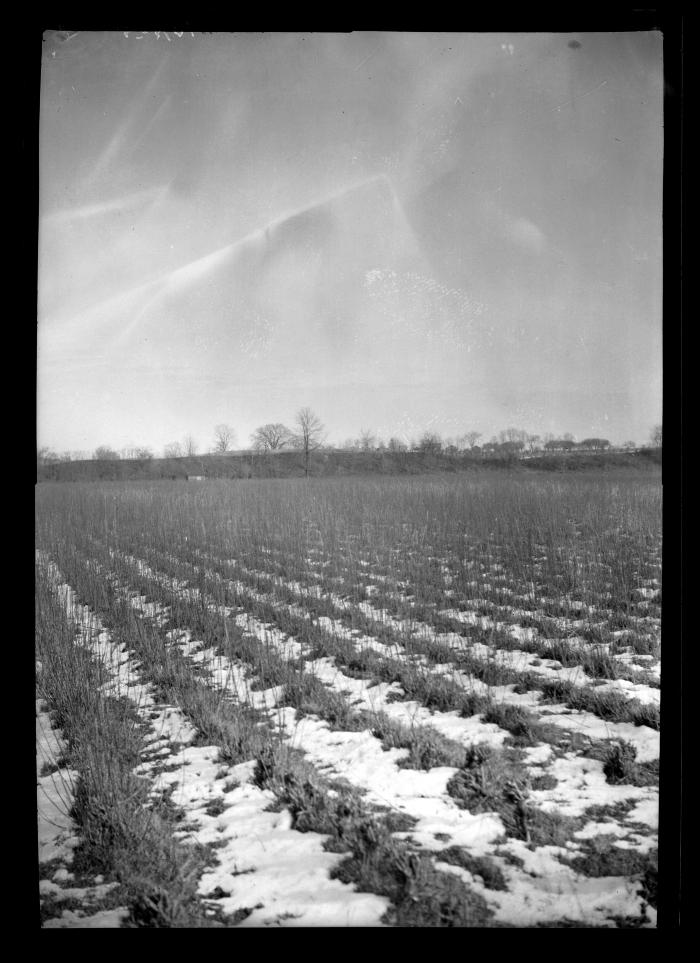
(431, 701)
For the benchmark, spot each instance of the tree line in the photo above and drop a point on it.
(308, 435)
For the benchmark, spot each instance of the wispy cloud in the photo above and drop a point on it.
(112, 206)
(151, 123)
(126, 130)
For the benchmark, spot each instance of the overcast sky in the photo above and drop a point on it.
(403, 231)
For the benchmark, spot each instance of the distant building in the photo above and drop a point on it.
(196, 477)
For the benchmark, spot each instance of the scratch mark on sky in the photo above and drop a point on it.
(369, 55)
(584, 94)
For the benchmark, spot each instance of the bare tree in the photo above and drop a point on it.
(470, 438)
(367, 440)
(560, 444)
(511, 448)
(395, 444)
(430, 443)
(104, 453)
(310, 435)
(594, 444)
(173, 450)
(656, 436)
(533, 443)
(513, 435)
(68, 456)
(224, 437)
(271, 437)
(46, 456)
(189, 445)
(136, 452)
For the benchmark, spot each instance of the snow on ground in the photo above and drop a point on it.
(548, 892)
(263, 864)
(646, 811)
(359, 757)
(513, 659)
(581, 784)
(264, 871)
(644, 693)
(74, 919)
(646, 741)
(49, 888)
(471, 615)
(54, 795)
(545, 891)
(305, 895)
(363, 694)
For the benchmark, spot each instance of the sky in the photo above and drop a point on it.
(402, 231)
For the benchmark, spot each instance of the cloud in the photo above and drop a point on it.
(131, 118)
(114, 206)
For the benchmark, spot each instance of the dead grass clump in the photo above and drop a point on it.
(610, 705)
(436, 692)
(420, 895)
(594, 660)
(550, 828)
(644, 645)
(216, 807)
(162, 894)
(494, 781)
(522, 725)
(482, 866)
(556, 690)
(600, 857)
(309, 696)
(620, 766)
(491, 781)
(427, 747)
(645, 714)
(546, 781)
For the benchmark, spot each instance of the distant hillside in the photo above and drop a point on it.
(288, 464)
